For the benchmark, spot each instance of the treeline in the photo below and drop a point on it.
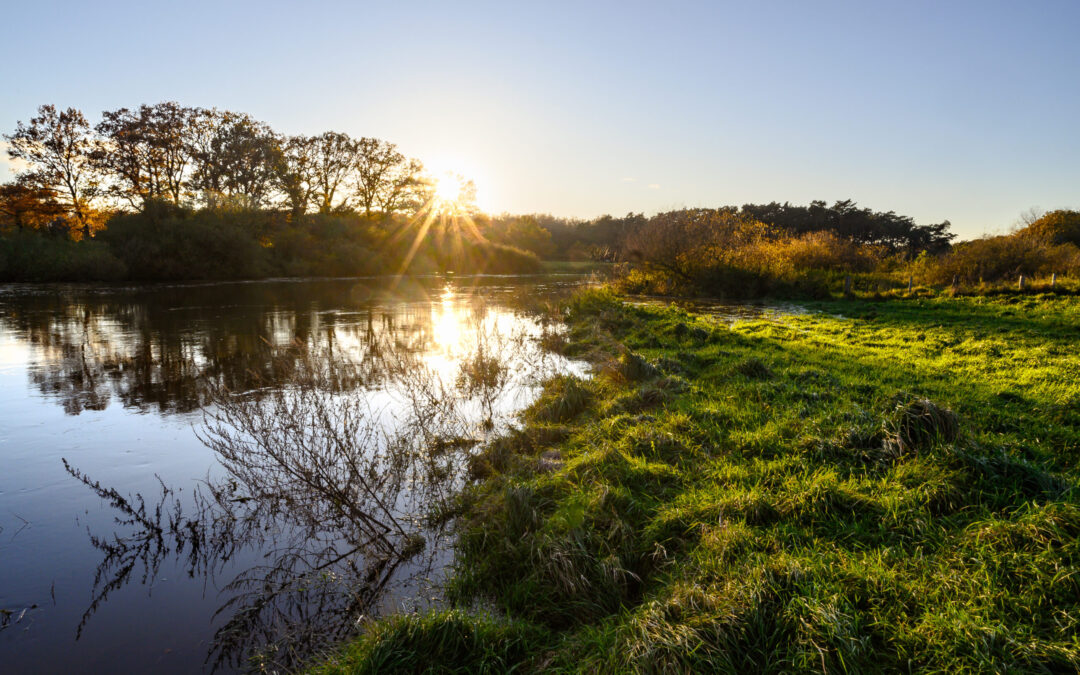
(610, 238)
(197, 157)
(168, 192)
(165, 243)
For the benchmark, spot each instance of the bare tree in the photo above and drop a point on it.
(333, 157)
(238, 158)
(147, 151)
(296, 178)
(406, 188)
(1028, 217)
(376, 161)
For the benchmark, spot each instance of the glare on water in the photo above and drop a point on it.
(117, 382)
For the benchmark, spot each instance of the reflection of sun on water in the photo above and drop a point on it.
(446, 324)
(448, 336)
(12, 352)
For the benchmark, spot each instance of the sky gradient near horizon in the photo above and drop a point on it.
(963, 110)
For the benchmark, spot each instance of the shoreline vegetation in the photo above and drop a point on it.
(878, 485)
(167, 192)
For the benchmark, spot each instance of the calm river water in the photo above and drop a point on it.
(228, 476)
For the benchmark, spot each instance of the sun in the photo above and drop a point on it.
(453, 194)
(447, 215)
(448, 188)
(458, 184)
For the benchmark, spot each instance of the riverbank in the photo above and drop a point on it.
(172, 244)
(870, 487)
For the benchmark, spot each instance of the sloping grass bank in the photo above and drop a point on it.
(874, 487)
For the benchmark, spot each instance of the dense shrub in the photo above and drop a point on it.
(1002, 257)
(35, 256)
(722, 252)
(183, 245)
(325, 245)
(481, 257)
(817, 251)
(169, 243)
(1056, 227)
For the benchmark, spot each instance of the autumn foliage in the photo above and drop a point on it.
(1046, 246)
(725, 252)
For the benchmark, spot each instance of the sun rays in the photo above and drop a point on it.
(446, 216)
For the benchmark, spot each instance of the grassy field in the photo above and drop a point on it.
(871, 487)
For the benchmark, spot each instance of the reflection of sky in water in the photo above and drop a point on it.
(727, 312)
(13, 353)
(110, 381)
(88, 351)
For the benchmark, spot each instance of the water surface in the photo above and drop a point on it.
(166, 546)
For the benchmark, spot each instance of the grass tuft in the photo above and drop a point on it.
(442, 642)
(754, 369)
(919, 424)
(564, 398)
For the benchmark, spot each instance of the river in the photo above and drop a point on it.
(173, 493)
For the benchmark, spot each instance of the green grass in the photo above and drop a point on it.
(872, 487)
(443, 642)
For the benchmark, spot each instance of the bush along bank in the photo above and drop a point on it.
(871, 487)
(175, 244)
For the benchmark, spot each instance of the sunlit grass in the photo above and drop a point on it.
(794, 495)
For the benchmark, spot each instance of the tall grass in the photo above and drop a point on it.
(444, 642)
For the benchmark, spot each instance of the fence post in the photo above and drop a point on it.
(847, 285)
(911, 278)
(1021, 285)
(1053, 280)
(954, 282)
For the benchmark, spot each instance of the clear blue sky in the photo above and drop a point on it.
(967, 111)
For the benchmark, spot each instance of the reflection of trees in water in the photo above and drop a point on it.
(336, 499)
(150, 350)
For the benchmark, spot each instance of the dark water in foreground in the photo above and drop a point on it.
(340, 412)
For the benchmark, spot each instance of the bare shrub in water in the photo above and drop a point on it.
(337, 498)
(330, 492)
(325, 453)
